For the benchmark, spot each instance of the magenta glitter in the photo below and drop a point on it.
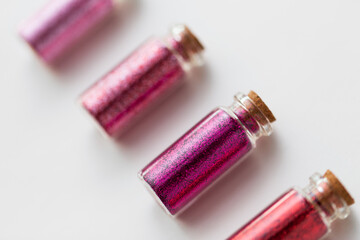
(194, 161)
(246, 119)
(291, 217)
(127, 92)
(200, 157)
(61, 23)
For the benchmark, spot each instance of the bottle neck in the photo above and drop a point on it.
(328, 196)
(185, 45)
(251, 116)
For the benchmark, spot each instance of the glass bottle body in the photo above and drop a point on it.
(298, 214)
(61, 23)
(202, 155)
(289, 217)
(146, 77)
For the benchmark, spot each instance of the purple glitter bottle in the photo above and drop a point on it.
(142, 80)
(207, 151)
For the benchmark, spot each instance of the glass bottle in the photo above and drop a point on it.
(56, 28)
(301, 213)
(145, 78)
(207, 151)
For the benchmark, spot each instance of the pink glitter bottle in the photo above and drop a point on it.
(143, 79)
(207, 151)
(61, 23)
(301, 213)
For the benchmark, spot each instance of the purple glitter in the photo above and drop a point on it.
(143, 79)
(59, 25)
(197, 159)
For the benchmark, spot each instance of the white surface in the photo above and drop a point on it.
(60, 179)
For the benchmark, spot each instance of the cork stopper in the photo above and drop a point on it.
(188, 40)
(261, 105)
(337, 188)
(191, 42)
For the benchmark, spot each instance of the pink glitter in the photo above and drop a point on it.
(201, 156)
(58, 26)
(127, 92)
(132, 86)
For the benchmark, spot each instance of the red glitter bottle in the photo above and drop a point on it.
(145, 78)
(301, 214)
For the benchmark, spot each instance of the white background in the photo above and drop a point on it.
(61, 179)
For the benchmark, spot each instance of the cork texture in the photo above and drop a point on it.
(338, 188)
(262, 106)
(193, 41)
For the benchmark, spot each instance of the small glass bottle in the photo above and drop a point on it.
(301, 213)
(145, 78)
(207, 151)
(61, 23)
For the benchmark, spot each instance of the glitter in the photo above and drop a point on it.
(61, 23)
(201, 156)
(142, 80)
(300, 214)
(286, 218)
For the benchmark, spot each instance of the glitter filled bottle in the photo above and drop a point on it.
(301, 213)
(61, 23)
(207, 151)
(143, 79)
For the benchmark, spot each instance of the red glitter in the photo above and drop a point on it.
(291, 217)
